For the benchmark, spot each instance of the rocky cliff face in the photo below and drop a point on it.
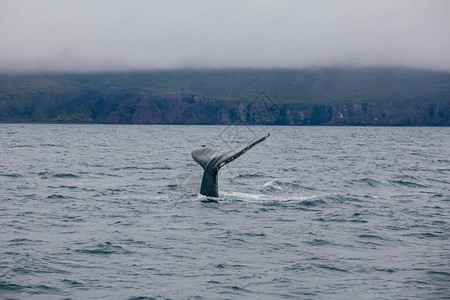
(189, 109)
(316, 97)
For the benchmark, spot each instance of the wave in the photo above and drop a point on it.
(105, 248)
(369, 181)
(106, 174)
(6, 286)
(70, 187)
(313, 200)
(287, 187)
(57, 196)
(51, 145)
(303, 202)
(12, 175)
(250, 175)
(23, 146)
(409, 184)
(371, 237)
(34, 289)
(142, 168)
(71, 282)
(24, 241)
(65, 175)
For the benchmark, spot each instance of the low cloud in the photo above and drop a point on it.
(88, 36)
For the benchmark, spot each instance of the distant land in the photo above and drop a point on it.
(332, 96)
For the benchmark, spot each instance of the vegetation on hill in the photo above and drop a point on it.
(114, 97)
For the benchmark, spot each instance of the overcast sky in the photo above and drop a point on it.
(93, 35)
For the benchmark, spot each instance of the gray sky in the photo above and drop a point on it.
(94, 35)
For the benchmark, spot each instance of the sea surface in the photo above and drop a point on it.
(114, 212)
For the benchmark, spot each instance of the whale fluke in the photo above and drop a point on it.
(212, 160)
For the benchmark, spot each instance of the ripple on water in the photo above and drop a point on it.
(369, 181)
(71, 282)
(8, 287)
(407, 184)
(57, 196)
(65, 175)
(105, 248)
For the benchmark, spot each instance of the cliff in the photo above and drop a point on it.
(278, 97)
(189, 109)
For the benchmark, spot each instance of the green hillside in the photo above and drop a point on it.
(293, 86)
(82, 97)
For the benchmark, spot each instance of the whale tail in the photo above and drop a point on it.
(211, 162)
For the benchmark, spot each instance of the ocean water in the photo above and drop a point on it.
(113, 212)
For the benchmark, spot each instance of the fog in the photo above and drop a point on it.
(91, 35)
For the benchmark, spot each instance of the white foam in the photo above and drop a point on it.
(273, 183)
(248, 197)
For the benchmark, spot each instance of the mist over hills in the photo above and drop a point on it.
(328, 96)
